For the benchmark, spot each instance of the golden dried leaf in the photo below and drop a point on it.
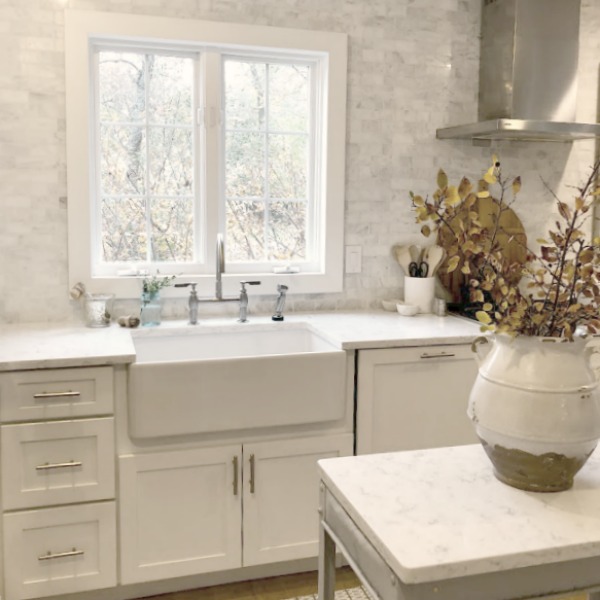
(483, 317)
(579, 203)
(426, 230)
(487, 307)
(489, 176)
(464, 187)
(516, 185)
(452, 197)
(564, 210)
(418, 201)
(452, 264)
(465, 269)
(442, 179)
(483, 194)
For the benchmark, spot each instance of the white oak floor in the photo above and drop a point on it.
(273, 588)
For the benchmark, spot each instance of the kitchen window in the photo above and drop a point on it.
(180, 130)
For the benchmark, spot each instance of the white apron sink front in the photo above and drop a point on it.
(207, 380)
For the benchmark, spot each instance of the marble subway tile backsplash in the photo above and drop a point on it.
(413, 67)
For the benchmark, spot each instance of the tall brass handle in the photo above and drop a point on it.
(235, 475)
(49, 555)
(68, 394)
(252, 474)
(46, 466)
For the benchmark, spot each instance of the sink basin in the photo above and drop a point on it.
(207, 380)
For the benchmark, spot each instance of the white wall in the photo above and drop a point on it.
(413, 67)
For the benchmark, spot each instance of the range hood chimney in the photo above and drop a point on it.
(527, 74)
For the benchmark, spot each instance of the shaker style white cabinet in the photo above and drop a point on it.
(58, 481)
(281, 496)
(413, 398)
(181, 510)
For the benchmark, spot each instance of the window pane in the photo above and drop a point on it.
(245, 95)
(245, 231)
(244, 165)
(287, 227)
(122, 86)
(288, 97)
(123, 159)
(147, 154)
(172, 229)
(288, 166)
(170, 161)
(170, 80)
(123, 230)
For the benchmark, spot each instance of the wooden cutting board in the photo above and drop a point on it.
(512, 240)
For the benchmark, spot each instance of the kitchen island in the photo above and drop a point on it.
(436, 524)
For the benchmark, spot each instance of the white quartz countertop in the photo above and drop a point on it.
(440, 514)
(51, 346)
(37, 346)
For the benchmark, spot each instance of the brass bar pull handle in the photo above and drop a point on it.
(235, 475)
(252, 474)
(440, 355)
(47, 466)
(50, 555)
(44, 395)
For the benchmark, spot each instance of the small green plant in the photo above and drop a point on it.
(551, 291)
(152, 285)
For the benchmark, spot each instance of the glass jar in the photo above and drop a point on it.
(98, 309)
(150, 309)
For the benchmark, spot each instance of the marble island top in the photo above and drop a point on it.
(441, 513)
(37, 346)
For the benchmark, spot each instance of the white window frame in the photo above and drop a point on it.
(83, 28)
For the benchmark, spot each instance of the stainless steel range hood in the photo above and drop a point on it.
(528, 74)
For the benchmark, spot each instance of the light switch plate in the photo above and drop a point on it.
(353, 259)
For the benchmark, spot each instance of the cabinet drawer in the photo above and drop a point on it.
(56, 394)
(59, 550)
(57, 462)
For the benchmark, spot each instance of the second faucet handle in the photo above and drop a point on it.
(245, 283)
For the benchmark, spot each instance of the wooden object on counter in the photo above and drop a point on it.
(511, 237)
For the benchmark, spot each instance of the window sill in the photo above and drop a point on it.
(298, 283)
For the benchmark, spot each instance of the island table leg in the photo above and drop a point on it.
(326, 587)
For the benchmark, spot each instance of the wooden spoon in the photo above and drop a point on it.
(416, 252)
(402, 254)
(434, 256)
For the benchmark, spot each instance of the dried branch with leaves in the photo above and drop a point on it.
(549, 293)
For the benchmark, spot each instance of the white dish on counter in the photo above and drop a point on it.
(407, 310)
(390, 304)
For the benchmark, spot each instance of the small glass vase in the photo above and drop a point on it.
(150, 309)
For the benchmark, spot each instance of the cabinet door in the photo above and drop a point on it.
(413, 398)
(57, 551)
(58, 462)
(281, 496)
(56, 394)
(180, 513)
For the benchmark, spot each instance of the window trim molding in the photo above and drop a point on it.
(83, 27)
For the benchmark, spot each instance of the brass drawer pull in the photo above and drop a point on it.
(235, 475)
(252, 480)
(46, 466)
(440, 355)
(50, 556)
(45, 395)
